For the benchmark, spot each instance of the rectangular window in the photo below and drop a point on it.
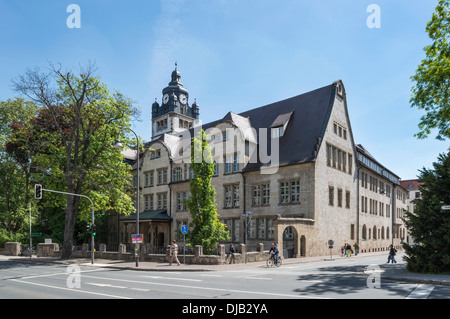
(256, 195)
(261, 228)
(339, 197)
(252, 229)
(350, 163)
(331, 195)
(347, 199)
(333, 155)
(270, 229)
(328, 155)
(284, 192)
(265, 194)
(228, 196)
(236, 196)
(231, 196)
(295, 191)
(235, 164)
(228, 164)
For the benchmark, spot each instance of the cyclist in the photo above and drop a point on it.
(275, 252)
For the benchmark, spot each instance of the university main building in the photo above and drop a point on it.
(291, 173)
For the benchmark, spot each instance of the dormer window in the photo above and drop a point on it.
(277, 131)
(280, 124)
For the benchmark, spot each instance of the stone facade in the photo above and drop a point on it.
(337, 191)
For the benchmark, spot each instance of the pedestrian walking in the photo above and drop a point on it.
(356, 248)
(174, 253)
(392, 252)
(348, 250)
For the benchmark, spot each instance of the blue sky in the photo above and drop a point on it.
(234, 55)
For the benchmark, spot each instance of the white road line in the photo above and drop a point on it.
(422, 291)
(272, 294)
(159, 277)
(71, 289)
(57, 274)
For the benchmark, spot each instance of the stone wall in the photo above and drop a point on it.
(52, 250)
(11, 249)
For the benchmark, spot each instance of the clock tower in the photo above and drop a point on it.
(174, 114)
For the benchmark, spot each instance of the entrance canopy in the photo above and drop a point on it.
(148, 216)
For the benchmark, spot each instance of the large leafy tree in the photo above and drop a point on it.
(14, 174)
(75, 130)
(431, 91)
(207, 230)
(429, 225)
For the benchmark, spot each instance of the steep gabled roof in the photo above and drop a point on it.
(308, 116)
(307, 124)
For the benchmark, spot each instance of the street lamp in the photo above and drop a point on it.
(118, 145)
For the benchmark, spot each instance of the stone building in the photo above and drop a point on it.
(317, 184)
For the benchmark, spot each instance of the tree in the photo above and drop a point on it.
(429, 225)
(15, 173)
(77, 126)
(207, 230)
(432, 78)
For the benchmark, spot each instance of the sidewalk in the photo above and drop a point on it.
(396, 272)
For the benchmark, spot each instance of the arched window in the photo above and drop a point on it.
(374, 232)
(387, 233)
(364, 232)
(382, 232)
(177, 174)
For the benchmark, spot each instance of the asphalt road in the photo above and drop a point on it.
(342, 278)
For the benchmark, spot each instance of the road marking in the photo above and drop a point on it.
(270, 294)
(105, 285)
(422, 291)
(70, 289)
(207, 275)
(57, 274)
(159, 277)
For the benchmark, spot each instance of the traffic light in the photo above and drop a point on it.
(94, 230)
(38, 191)
(88, 228)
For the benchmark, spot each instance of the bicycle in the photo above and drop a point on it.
(271, 261)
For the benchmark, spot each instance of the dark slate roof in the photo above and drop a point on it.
(307, 124)
(160, 215)
(308, 116)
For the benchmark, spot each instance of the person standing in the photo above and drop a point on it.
(392, 252)
(174, 253)
(231, 251)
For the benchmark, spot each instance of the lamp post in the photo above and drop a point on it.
(118, 145)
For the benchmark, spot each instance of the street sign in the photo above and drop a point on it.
(184, 229)
(36, 234)
(137, 238)
(446, 207)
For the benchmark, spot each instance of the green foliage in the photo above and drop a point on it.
(429, 225)
(431, 92)
(69, 145)
(207, 230)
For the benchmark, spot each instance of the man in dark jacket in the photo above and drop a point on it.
(274, 250)
(392, 252)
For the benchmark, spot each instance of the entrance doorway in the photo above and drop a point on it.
(288, 242)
